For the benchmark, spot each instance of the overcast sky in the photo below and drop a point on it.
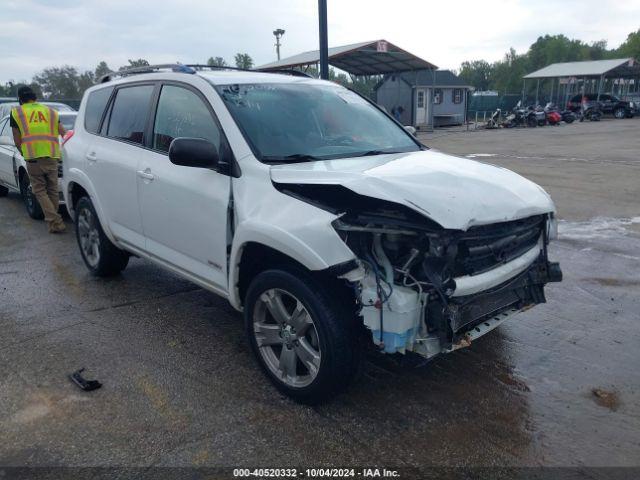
(35, 34)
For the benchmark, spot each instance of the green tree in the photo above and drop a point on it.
(217, 62)
(476, 73)
(630, 47)
(101, 69)
(85, 80)
(10, 89)
(243, 60)
(141, 62)
(63, 82)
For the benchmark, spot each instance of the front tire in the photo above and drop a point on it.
(620, 113)
(305, 342)
(102, 258)
(30, 201)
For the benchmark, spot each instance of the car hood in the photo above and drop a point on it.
(457, 193)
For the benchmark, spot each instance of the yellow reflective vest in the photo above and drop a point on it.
(38, 126)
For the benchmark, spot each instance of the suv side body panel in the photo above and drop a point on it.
(292, 227)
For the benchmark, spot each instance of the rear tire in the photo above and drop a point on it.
(309, 347)
(30, 201)
(4, 191)
(532, 122)
(102, 258)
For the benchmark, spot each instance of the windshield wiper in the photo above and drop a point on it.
(293, 158)
(374, 152)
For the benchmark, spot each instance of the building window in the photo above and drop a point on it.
(457, 95)
(420, 99)
(437, 96)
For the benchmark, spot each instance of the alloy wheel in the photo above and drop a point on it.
(286, 337)
(89, 237)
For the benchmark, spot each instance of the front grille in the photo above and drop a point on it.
(485, 247)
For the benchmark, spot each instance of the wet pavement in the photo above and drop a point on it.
(558, 385)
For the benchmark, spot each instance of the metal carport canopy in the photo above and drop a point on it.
(619, 67)
(365, 58)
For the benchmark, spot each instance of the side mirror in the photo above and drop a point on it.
(410, 129)
(193, 152)
(7, 141)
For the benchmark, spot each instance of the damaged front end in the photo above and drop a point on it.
(430, 290)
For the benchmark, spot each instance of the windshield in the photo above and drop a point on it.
(303, 122)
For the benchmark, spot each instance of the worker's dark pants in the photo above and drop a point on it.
(43, 173)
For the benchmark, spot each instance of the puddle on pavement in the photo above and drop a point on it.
(606, 398)
(597, 228)
(615, 282)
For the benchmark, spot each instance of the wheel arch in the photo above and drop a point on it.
(253, 257)
(75, 188)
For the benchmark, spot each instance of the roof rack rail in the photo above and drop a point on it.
(191, 69)
(289, 71)
(292, 72)
(174, 67)
(203, 66)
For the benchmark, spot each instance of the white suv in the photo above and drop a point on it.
(308, 208)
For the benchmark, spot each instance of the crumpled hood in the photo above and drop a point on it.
(455, 192)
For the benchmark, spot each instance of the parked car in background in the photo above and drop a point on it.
(68, 119)
(608, 104)
(308, 208)
(5, 108)
(13, 168)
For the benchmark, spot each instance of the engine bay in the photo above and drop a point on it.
(424, 288)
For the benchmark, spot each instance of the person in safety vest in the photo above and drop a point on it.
(36, 129)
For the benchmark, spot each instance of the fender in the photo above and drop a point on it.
(256, 231)
(77, 176)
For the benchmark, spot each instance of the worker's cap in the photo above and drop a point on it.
(26, 94)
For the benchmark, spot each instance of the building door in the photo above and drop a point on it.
(421, 106)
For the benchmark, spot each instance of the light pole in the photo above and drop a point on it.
(324, 43)
(278, 33)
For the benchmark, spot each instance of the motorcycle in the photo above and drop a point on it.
(568, 116)
(553, 116)
(538, 114)
(591, 112)
(494, 119)
(519, 117)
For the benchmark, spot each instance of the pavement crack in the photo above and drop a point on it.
(134, 302)
(44, 334)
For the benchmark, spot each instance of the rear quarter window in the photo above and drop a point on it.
(96, 104)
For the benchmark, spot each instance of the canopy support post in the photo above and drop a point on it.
(599, 87)
(537, 90)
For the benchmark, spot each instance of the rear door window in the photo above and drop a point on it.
(96, 103)
(129, 113)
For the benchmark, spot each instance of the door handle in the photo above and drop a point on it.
(92, 157)
(146, 174)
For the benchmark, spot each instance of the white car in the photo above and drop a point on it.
(308, 208)
(13, 168)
